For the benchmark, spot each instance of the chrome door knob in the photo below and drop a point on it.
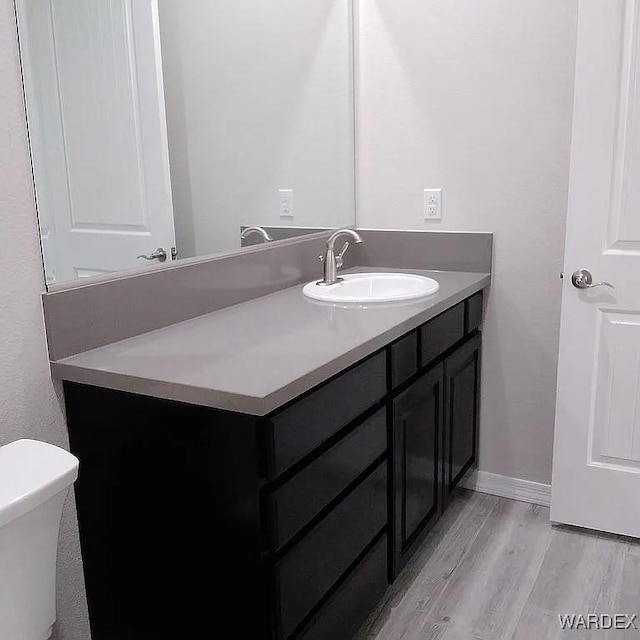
(159, 254)
(582, 279)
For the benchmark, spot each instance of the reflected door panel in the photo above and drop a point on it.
(94, 87)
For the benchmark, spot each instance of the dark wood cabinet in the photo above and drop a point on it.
(462, 413)
(308, 422)
(299, 500)
(353, 600)
(302, 515)
(404, 359)
(434, 426)
(169, 515)
(417, 427)
(312, 567)
(442, 333)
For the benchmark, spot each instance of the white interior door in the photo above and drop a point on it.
(596, 467)
(95, 101)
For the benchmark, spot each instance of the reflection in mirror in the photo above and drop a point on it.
(166, 128)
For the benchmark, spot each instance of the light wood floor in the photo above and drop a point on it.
(496, 569)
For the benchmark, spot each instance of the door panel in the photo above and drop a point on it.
(417, 429)
(596, 476)
(614, 434)
(623, 232)
(99, 143)
(463, 419)
(462, 412)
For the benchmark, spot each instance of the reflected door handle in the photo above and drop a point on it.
(582, 279)
(159, 254)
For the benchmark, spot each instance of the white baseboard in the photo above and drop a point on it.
(506, 487)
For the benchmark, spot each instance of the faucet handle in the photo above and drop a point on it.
(340, 256)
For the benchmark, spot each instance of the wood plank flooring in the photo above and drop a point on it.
(496, 569)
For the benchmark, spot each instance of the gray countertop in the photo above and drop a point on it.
(256, 356)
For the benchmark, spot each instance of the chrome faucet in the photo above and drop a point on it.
(258, 231)
(332, 262)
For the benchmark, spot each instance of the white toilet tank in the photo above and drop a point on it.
(34, 480)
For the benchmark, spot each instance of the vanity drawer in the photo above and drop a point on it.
(442, 332)
(474, 312)
(404, 358)
(308, 423)
(347, 609)
(300, 499)
(311, 568)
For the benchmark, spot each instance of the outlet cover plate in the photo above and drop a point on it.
(432, 204)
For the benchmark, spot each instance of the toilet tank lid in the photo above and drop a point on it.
(31, 473)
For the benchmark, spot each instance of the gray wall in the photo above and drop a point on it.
(29, 406)
(476, 98)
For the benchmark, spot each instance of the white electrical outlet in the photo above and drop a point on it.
(286, 203)
(433, 204)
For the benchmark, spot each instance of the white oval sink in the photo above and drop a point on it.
(373, 287)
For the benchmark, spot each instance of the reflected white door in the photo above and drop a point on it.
(95, 101)
(596, 467)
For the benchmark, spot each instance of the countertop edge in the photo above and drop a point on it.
(251, 405)
(188, 394)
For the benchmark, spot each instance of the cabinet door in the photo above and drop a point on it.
(462, 413)
(417, 428)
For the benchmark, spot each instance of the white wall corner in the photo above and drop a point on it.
(507, 487)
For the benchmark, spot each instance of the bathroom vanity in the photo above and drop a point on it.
(273, 464)
(249, 458)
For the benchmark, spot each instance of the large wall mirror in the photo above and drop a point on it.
(165, 128)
